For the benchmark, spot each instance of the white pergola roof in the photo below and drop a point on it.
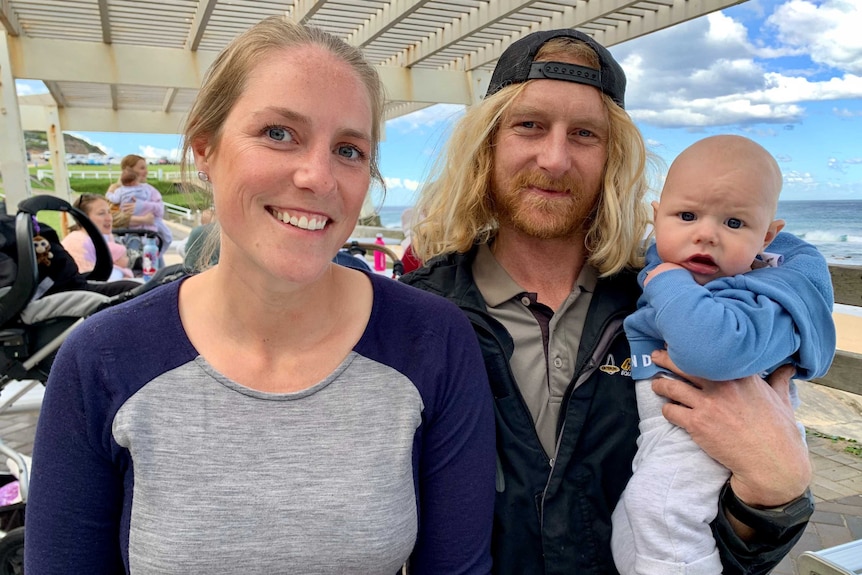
(135, 65)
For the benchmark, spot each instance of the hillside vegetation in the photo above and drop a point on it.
(37, 142)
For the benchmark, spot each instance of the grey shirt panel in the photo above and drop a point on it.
(542, 382)
(326, 474)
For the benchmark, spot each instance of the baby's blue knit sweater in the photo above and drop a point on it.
(737, 326)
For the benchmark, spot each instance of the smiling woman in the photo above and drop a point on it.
(340, 420)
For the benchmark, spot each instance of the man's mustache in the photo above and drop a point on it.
(566, 184)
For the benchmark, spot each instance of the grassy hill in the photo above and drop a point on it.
(37, 142)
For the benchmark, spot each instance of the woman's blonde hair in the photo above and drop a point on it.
(226, 80)
(457, 205)
(84, 202)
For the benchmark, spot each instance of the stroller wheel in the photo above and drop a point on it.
(12, 552)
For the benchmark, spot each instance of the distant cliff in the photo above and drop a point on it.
(37, 142)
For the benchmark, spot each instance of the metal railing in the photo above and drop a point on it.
(159, 174)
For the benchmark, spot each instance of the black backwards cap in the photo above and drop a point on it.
(516, 65)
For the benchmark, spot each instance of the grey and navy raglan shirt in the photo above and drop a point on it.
(149, 461)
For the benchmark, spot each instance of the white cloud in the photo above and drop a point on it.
(23, 89)
(402, 184)
(827, 30)
(29, 87)
(799, 178)
(429, 117)
(845, 113)
(841, 165)
(153, 153)
(723, 30)
(708, 73)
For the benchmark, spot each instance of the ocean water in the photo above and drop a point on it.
(390, 216)
(833, 226)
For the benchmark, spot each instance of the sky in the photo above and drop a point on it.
(786, 73)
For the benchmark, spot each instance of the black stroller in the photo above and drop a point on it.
(43, 298)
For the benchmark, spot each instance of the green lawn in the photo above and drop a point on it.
(97, 179)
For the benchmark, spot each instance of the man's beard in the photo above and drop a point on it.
(540, 216)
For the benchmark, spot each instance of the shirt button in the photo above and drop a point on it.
(558, 362)
(525, 300)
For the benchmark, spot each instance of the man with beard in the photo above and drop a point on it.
(534, 226)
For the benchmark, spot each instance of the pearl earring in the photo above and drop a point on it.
(202, 176)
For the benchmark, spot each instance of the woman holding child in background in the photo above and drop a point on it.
(279, 413)
(125, 217)
(146, 201)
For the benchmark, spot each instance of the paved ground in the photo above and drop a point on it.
(837, 487)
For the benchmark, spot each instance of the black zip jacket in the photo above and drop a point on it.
(555, 517)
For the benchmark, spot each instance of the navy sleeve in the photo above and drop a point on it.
(75, 501)
(456, 468)
(431, 341)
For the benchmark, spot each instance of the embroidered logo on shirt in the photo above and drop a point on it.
(611, 368)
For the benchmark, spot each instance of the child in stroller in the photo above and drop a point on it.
(80, 246)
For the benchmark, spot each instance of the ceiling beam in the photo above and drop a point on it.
(170, 95)
(119, 65)
(385, 18)
(584, 12)
(73, 61)
(487, 14)
(105, 17)
(9, 19)
(102, 120)
(402, 109)
(665, 16)
(304, 10)
(424, 85)
(56, 93)
(199, 25)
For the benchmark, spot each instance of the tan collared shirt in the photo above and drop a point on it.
(542, 370)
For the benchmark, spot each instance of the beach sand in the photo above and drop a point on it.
(849, 330)
(832, 411)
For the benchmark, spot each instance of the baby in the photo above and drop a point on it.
(147, 200)
(725, 309)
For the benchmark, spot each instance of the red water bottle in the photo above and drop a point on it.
(379, 257)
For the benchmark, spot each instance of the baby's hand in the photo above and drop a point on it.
(661, 268)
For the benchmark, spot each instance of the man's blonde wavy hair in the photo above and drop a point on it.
(456, 205)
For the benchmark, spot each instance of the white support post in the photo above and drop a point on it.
(479, 81)
(13, 154)
(57, 148)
